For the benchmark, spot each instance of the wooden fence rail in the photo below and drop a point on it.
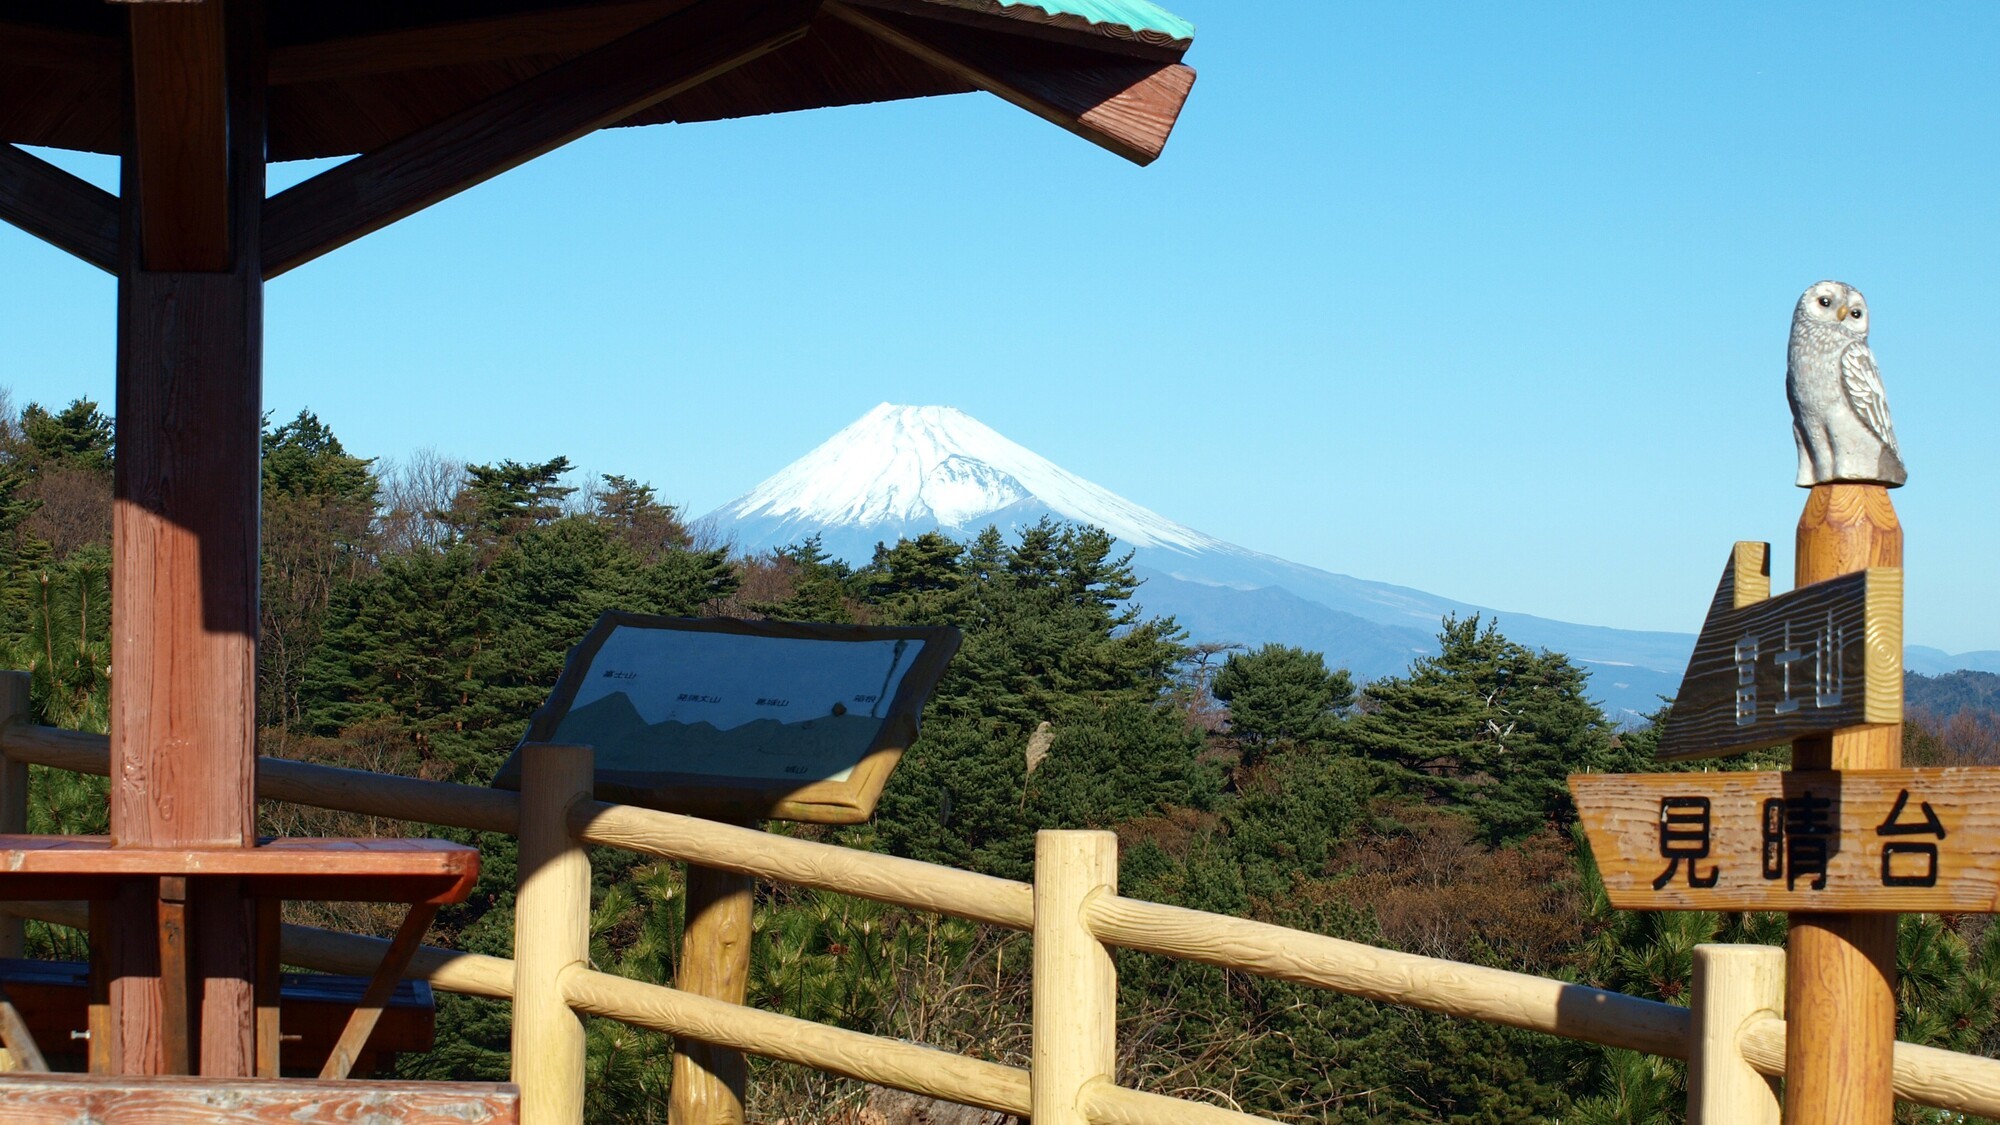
(1451, 987)
(1946, 1080)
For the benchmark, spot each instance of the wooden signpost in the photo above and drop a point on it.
(1844, 840)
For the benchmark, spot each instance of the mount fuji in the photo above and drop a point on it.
(900, 471)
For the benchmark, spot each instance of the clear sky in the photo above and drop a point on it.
(1488, 302)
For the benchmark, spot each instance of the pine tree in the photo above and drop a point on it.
(1488, 725)
(633, 512)
(302, 458)
(818, 585)
(506, 499)
(1281, 693)
(79, 437)
(319, 504)
(1048, 635)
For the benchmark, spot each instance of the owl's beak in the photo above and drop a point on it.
(1840, 313)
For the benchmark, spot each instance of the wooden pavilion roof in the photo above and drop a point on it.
(351, 77)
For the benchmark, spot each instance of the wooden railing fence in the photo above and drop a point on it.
(1732, 1033)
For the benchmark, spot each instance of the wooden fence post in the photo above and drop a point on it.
(1075, 983)
(13, 794)
(1733, 984)
(709, 1081)
(551, 934)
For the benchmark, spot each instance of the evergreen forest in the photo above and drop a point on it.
(414, 615)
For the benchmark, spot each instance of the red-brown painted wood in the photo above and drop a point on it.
(1126, 106)
(184, 525)
(180, 100)
(365, 869)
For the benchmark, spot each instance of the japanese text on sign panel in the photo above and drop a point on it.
(1797, 834)
(1823, 681)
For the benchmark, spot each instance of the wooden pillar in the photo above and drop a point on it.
(1075, 983)
(185, 520)
(14, 707)
(709, 1081)
(551, 934)
(1840, 983)
(1733, 984)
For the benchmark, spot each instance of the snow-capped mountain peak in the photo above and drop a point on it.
(919, 467)
(901, 471)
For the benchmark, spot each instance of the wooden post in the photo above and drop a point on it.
(185, 518)
(1840, 980)
(1075, 983)
(709, 1081)
(1733, 985)
(551, 933)
(13, 794)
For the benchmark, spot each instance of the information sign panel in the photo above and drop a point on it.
(1863, 841)
(747, 718)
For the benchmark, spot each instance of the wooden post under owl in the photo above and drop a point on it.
(1840, 978)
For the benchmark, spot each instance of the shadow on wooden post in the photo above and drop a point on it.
(1734, 986)
(551, 934)
(1075, 984)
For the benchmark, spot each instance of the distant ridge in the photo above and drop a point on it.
(900, 471)
(1945, 695)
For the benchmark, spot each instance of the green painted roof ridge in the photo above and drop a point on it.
(1138, 16)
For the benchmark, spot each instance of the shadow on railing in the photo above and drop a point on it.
(1731, 1033)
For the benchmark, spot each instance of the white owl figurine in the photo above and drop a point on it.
(1840, 414)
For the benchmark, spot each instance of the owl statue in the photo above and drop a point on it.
(1840, 414)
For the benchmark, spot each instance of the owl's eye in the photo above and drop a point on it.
(1826, 302)
(1856, 314)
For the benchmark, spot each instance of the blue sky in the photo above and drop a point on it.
(1488, 302)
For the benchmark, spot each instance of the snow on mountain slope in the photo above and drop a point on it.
(935, 467)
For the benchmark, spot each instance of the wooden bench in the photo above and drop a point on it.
(53, 998)
(424, 873)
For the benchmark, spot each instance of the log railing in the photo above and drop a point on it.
(1732, 1033)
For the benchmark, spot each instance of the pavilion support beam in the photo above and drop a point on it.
(185, 517)
(58, 208)
(180, 125)
(1127, 108)
(665, 58)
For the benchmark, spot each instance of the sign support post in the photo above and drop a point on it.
(1845, 841)
(1840, 976)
